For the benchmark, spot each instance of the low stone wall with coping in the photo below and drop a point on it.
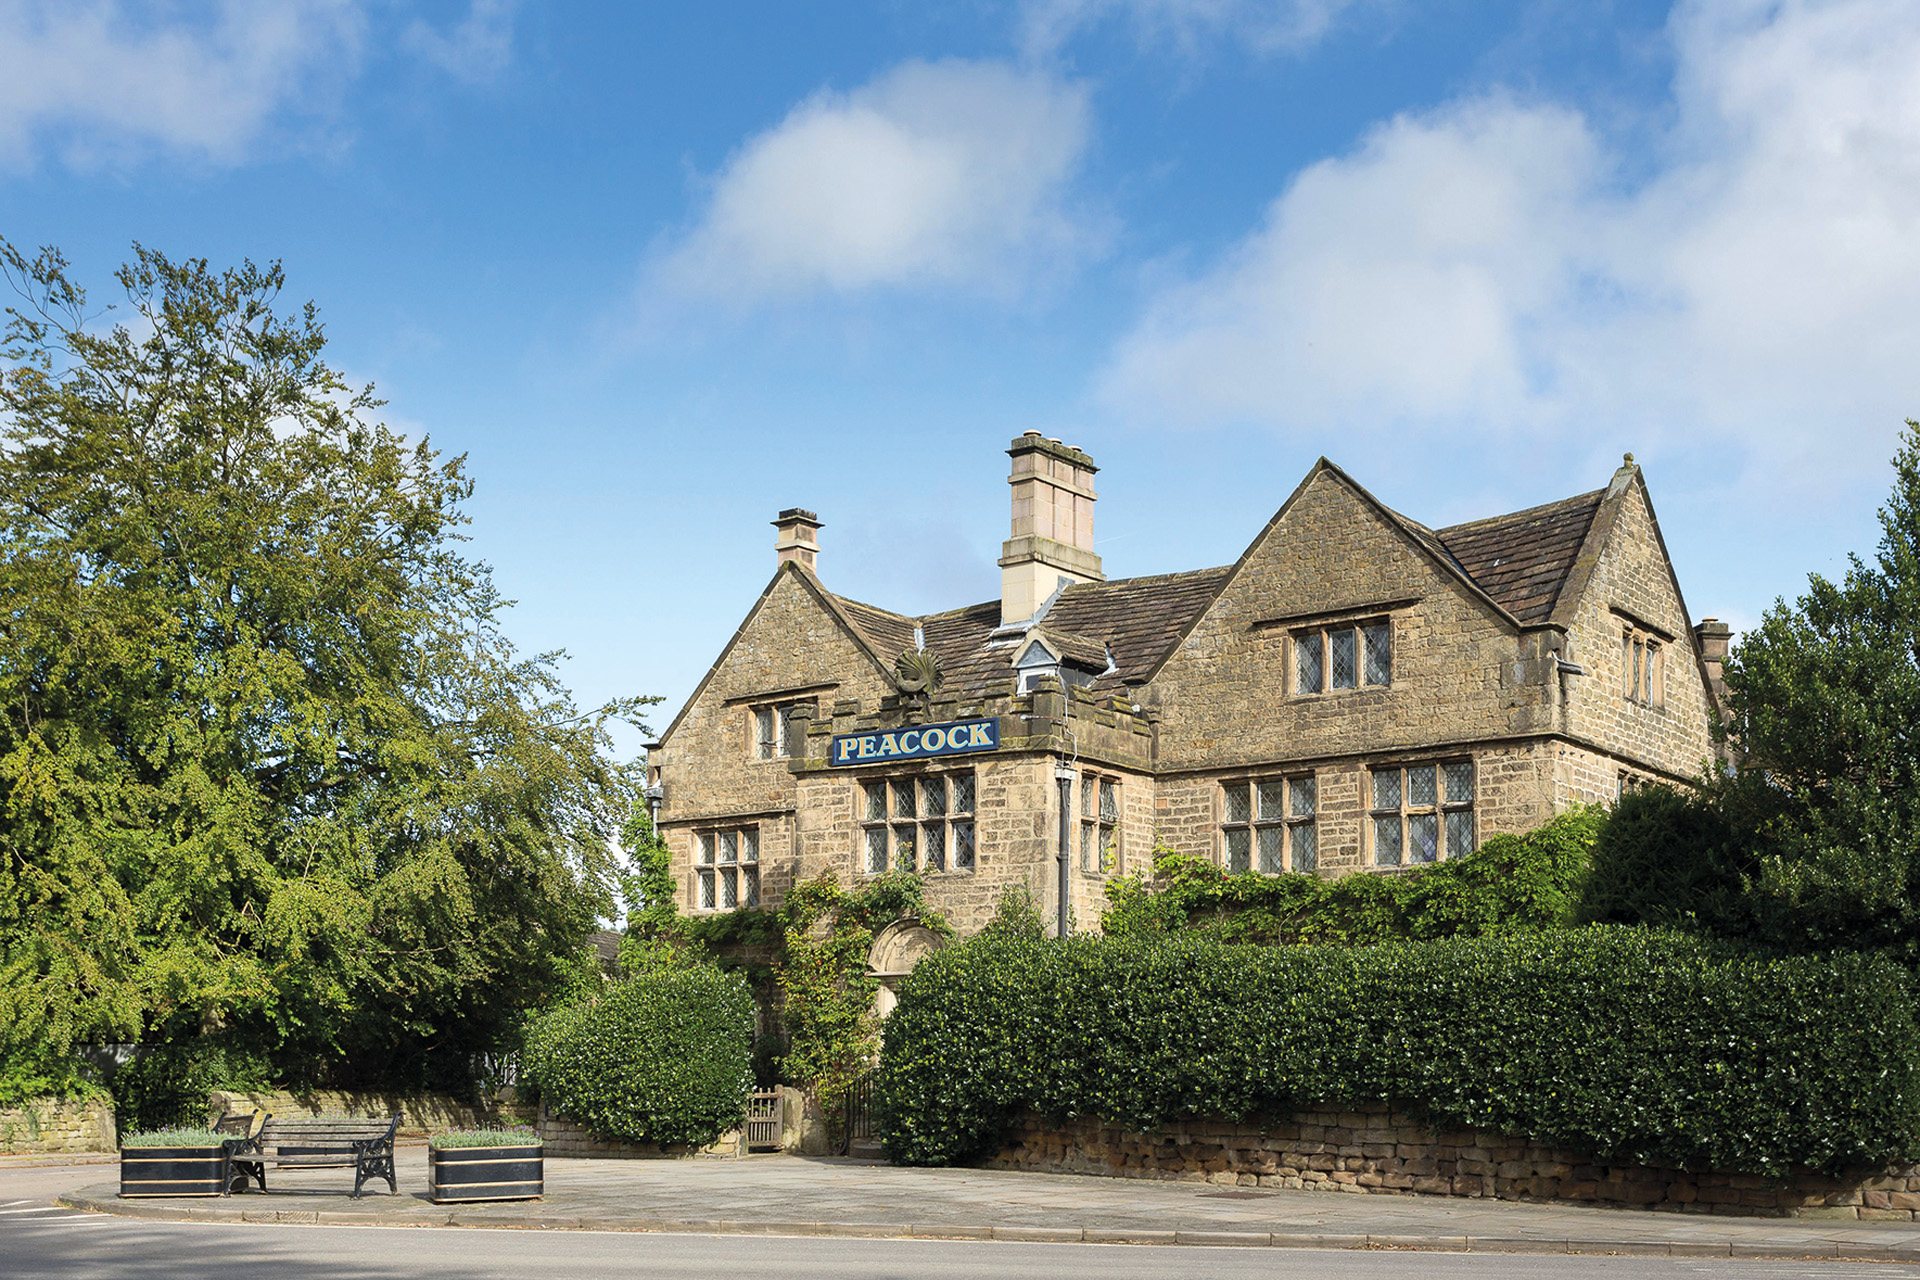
(1387, 1151)
(421, 1114)
(55, 1126)
(563, 1137)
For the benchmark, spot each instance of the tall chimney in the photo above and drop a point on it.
(1713, 636)
(796, 540)
(1052, 525)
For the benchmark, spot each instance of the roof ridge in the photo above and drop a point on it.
(891, 613)
(1593, 495)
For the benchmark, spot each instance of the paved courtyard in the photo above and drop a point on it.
(792, 1195)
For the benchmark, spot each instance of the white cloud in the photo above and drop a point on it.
(935, 174)
(475, 50)
(1267, 26)
(1483, 264)
(102, 77)
(109, 80)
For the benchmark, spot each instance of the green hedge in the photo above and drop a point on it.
(1510, 884)
(1626, 1043)
(664, 1057)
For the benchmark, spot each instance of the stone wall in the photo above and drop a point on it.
(55, 1126)
(420, 1114)
(1382, 1151)
(563, 1137)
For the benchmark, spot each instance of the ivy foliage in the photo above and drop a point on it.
(663, 1056)
(269, 770)
(1625, 1043)
(832, 1032)
(1512, 883)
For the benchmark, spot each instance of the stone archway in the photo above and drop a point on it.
(896, 949)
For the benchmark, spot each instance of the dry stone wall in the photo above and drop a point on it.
(57, 1126)
(1379, 1150)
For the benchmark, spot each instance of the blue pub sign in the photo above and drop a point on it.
(915, 744)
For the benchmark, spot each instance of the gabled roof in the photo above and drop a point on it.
(1518, 564)
(1137, 619)
(1523, 559)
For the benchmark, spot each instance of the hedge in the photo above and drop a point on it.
(1625, 1043)
(662, 1057)
(1510, 884)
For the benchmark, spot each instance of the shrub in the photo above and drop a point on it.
(1667, 858)
(1510, 884)
(1627, 1044)
(665, 1057)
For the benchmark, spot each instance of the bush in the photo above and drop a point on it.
(1627, 1044)
(1666, 858)
(167, 1085)
(1510, 884)
(665, 1057)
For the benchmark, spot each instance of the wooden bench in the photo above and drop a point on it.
(367, 1145)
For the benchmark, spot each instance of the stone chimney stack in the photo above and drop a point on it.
(1713, 636)
(796, 540)
(1052, 526)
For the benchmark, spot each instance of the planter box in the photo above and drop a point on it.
(459, 1174)
(173, 1171)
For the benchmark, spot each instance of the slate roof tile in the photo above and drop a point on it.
(1523, 559)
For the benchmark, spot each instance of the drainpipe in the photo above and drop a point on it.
(1063, 774)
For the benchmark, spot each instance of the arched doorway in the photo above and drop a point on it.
(896, 949)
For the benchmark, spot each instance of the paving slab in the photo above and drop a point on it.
(794, 1195)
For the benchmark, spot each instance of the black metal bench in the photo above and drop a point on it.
(244, 1131)
(319, 1143)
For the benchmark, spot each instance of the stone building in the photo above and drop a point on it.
(1356, 694)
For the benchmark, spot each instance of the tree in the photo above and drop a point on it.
(1824, 706)
(269, 770)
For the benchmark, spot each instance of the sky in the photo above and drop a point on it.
(661, 270)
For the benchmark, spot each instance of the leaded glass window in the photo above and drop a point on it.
(1422, 813)
(1341, 649)
(921, 823)
(727, 868)
(1099, 824)
(1344, 656)
(1308, 661)
(1269, 825)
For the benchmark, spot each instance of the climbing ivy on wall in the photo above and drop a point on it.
(1511, 884)
(833, 1034)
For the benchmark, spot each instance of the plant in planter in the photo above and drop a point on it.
(485, 1164)
(174, 1162)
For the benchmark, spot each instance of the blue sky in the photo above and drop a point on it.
(661, 270)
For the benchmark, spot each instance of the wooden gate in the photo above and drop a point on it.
(763, 1121)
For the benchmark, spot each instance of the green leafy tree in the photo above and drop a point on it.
(269, 769)
(1824, 708)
